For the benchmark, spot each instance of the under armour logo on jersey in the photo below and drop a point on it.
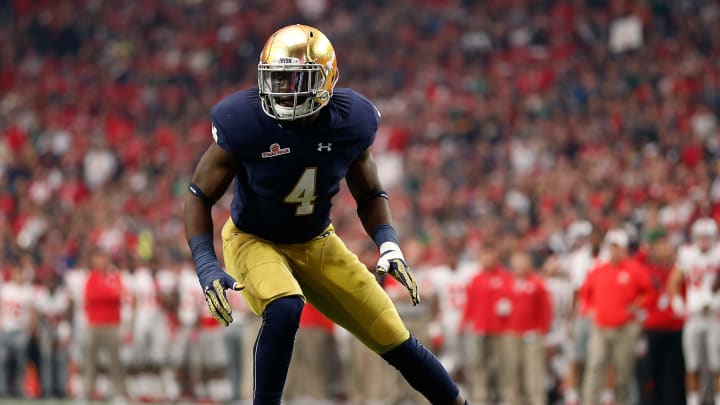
(324, 148)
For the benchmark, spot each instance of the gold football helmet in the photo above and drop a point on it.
(297, 72)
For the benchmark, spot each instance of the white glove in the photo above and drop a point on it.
(393, 262)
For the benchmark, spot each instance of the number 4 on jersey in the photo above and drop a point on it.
(303, 193)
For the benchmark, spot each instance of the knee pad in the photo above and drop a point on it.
(284, 313)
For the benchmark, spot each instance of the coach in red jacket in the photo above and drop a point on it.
(523, 351)
(662, 378)
(489, 304)
(103, 302)
(615, 291)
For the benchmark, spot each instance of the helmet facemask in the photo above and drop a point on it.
(290, 90)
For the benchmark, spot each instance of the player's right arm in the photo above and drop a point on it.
(210, 180)
(678, 273)
(675, 280)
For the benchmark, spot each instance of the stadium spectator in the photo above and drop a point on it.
(103, 297)
(523, 345)
(661, 368)
(615, 291)
(518, 120)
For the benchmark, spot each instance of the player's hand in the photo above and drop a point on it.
(678, 305)
(214, 282)
(392, 262)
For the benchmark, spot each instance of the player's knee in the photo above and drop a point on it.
(386, 332)
(284, 312)
(409, 348)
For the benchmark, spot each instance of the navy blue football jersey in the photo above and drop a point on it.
(290, 176)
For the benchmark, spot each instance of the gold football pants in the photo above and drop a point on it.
(323, 271)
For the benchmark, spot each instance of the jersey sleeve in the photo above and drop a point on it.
(367, 121)
(234, 120)
(222, 127)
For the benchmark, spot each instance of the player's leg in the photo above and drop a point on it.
(111, 340)
(20, 342)
(475, 366)
(233, 345)
(534, 369)
(214, 363)
(510, 359)
(340, 286)
(139, 381)
(577, 354)
(163, 361)
(713, 350)
(651, 368)
(596, 367)
(4, 360)
(178, 354)
(673, 384)
(90, 358)
(692, 340)
(624, 361)
(272, 292)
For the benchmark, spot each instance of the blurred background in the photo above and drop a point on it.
(515, 134)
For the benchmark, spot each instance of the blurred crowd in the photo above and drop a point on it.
(508, 122)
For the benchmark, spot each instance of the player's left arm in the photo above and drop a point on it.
(374, 212)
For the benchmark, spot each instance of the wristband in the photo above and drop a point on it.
(203, 251)
(384, 233)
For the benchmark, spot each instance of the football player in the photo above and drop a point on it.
(449, 285)
(288, 144)
(697, 264)
(150, 333)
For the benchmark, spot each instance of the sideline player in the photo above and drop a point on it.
(288, 144)
(697, 264)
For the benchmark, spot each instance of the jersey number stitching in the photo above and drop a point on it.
(304, 193)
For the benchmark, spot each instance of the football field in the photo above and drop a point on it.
(76, 402)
